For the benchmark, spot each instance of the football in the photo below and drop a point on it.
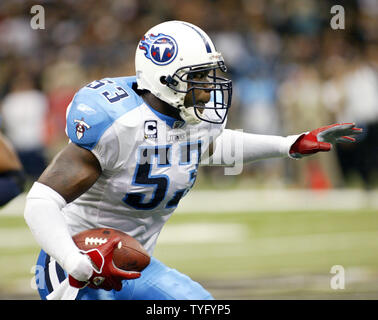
(129, 255)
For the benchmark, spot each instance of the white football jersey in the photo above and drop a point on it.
(149, 160)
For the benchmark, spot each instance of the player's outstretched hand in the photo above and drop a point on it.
(105, 275)
(323, 138)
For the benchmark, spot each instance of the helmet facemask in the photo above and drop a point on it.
(214, 111)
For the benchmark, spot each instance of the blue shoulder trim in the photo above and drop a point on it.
(96, 106)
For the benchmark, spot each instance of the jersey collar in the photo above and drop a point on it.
(170, 121)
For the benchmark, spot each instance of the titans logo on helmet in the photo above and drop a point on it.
(160, 49)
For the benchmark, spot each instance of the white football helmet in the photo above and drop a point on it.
(166, 57)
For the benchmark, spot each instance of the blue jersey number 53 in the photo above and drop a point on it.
(160, 183)
(113, 93)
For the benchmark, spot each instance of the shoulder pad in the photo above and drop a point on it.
(96, 106)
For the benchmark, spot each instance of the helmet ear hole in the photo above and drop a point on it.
(168, 81)
(163, 80)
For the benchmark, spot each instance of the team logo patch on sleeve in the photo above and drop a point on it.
(161, 49)
(81, 126)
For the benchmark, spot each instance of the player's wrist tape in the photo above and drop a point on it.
(79, 266)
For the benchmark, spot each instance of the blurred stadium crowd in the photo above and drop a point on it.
(291, 71)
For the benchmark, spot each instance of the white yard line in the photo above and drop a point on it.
(251, 200)
(282, 245)
(228, 235)
(219, 201)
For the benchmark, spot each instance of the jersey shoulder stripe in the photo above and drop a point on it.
(96, 106)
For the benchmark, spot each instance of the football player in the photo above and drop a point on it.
(12, 177)
(135, 146)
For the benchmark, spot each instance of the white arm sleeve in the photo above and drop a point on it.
(233, 146)
(46, 222)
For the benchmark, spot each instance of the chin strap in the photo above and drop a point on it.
(188, 115)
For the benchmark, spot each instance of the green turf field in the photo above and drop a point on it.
(240, 255)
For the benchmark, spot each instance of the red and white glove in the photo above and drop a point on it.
(105, 274)
(323, 138)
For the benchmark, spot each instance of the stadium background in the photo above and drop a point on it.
(276, 230)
